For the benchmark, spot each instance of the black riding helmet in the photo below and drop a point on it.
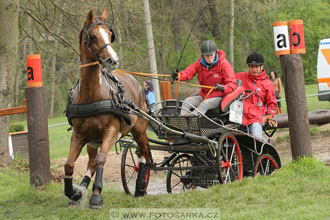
(255, 59)
(208, 47)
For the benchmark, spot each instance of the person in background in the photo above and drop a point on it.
(149, 92)
(213, 70)
(278, 89)
(254, 107)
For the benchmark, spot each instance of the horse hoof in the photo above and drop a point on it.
(80, 199)
(96, 202)
(77, 193)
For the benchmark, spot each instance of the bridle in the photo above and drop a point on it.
(87, 41)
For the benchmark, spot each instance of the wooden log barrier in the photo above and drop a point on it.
(315, 117)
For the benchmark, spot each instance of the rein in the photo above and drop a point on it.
(89, 64)
(168, 75)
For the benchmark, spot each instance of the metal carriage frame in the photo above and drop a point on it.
(205, 150)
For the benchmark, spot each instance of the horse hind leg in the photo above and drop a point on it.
(145, 157)
(92, 152)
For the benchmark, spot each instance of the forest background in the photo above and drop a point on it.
(51, 28)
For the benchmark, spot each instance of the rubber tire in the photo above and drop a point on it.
(129, 170)
(262, 160)
(180, 186)
(224, 163)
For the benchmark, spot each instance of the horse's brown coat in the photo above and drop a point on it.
(94, 87)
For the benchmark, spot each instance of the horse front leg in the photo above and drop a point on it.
(108, 141)
(76, 146)
(145, 158)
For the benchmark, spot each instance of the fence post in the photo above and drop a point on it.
(38, 140)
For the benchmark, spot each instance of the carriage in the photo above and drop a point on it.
(205, 150)
(106, 104)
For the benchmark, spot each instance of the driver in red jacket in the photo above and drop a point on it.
(254, 107)
(213, 70)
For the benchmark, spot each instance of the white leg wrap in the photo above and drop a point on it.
(88, 173)
(142, 160)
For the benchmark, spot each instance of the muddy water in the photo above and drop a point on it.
(156, 186)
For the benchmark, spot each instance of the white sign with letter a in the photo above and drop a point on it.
(281, 38)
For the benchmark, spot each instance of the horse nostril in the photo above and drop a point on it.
(108, 61)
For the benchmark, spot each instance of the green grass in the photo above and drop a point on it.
(312, 102)
(300, 190)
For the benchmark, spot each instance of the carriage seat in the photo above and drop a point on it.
(173, 107)
(227, 100)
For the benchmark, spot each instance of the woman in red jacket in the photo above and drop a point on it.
(213, 70)
(254, 107)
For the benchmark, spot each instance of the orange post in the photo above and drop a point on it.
(165, 87)
(34, 70)
(37, 121)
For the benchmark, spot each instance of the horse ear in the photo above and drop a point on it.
(89, 18)
(105, 13)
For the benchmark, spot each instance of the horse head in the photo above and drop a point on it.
(95, 41)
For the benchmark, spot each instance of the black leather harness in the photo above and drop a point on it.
(118, 106)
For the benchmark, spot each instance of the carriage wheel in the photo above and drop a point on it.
(229, 159)
(177, 180)
(129, 170)
(265, 165)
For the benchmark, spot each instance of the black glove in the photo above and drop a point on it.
(174, 74)
(219, 87)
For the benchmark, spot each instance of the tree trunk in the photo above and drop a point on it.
(294, 86)
(53, 69)
(176, 25)
(231, 32)
(215, 29)
(151, 49)
(8, 56)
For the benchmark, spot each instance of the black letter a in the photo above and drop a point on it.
(30, 73)
(281, 43)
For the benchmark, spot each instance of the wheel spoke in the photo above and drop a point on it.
(267, 167)
(175, 184)
(130, 176)
(128, 165)
(176, 174)
(132, 156)
(262, 168)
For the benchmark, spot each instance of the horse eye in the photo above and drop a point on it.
(93, 37)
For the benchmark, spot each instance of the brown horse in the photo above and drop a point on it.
(102, 130)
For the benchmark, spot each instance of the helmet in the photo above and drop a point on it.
(208, 47)
(255, 59)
